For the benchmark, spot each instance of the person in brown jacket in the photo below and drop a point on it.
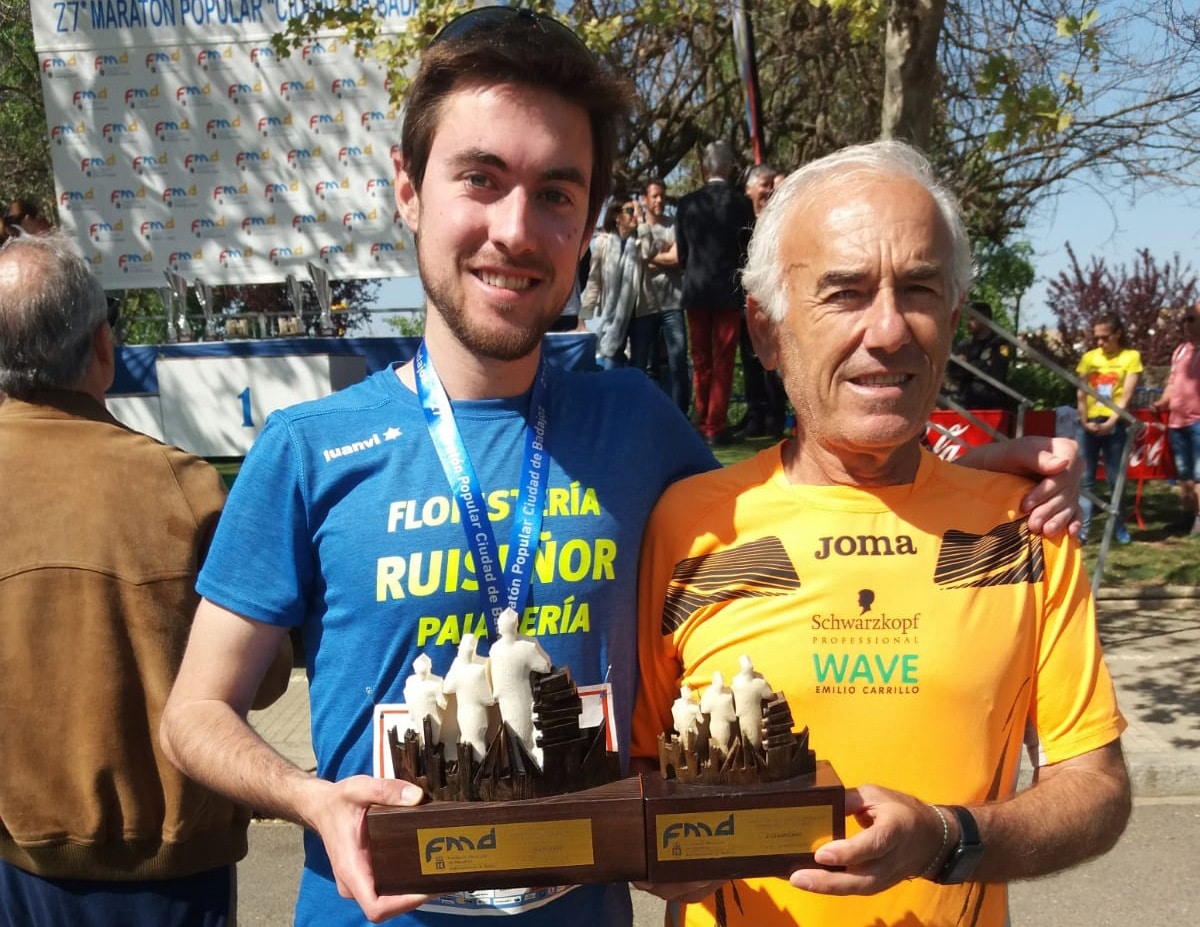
(104, 530)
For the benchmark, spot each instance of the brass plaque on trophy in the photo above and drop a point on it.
(595, 835)
(696, 832)
(738, 793)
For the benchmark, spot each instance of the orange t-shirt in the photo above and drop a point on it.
(921, 632)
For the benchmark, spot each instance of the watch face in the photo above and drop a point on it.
(961, 864)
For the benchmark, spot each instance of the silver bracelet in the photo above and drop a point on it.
(929, 870)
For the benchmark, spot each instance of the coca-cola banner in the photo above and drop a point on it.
(182, 142)
(955, 435)
(1151, 459)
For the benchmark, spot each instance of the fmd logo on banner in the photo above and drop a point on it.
(174, 120)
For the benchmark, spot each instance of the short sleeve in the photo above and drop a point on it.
(1074, 709)
(261, 563)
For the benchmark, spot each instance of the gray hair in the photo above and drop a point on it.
(760, 170)
(717, 160)
(51, 304)
(763, 278)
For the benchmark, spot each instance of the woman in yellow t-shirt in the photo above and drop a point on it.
(1111, 370)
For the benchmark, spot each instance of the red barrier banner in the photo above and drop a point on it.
(1151, 459)
(963, 434)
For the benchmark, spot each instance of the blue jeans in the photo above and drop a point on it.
(202, 900)
(1185, 451)
(643, 348)
(1110, 446)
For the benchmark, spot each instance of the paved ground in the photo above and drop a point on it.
(1153, 657)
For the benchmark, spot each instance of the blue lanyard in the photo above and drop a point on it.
(497, 592)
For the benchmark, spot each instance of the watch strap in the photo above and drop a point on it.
(963, 859)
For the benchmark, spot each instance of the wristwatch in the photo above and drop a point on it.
(963, 859)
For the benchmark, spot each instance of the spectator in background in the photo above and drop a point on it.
(98, 562)
(760, 181)
(987, 351)
(658, 309)
(614, 282)
(766, 402)
(24, 217)
(1181, 399)
(1111, 370)
(712, 229)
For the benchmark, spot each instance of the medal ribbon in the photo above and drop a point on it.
(497, 591)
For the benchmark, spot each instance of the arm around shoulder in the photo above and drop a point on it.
(1053, 504)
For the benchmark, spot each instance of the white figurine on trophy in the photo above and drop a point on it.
(717, 703)
(750, 690)
(424, 696)
(513, 656)
(467, 680)
(685, 714)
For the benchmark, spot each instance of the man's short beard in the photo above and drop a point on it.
(506, 346)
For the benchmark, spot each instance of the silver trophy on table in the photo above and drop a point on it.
(321, 284)
(204, 296)
(175, 302)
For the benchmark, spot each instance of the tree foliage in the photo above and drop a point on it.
(1021, 96)
(1003, 274)
(25, 166)
(816, 71)
(1011, 98)
(1042, 92)
(1148, 297)
(272, 301)
(143, 318)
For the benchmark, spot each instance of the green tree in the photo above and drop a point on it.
(1003, 274)
(144, 317)
(1010, 97)
(1147, 296)
(25, 154)
(271, 299)
(1039, 92)
(409, 324)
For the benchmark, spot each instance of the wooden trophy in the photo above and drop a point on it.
(539, 802)
(739, 794)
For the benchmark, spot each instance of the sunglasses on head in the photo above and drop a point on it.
(483, 18)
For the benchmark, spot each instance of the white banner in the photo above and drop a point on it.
(181, 142)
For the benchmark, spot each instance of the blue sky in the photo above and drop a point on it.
(1112, 227)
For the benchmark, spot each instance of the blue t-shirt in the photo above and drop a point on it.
(341, 522)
